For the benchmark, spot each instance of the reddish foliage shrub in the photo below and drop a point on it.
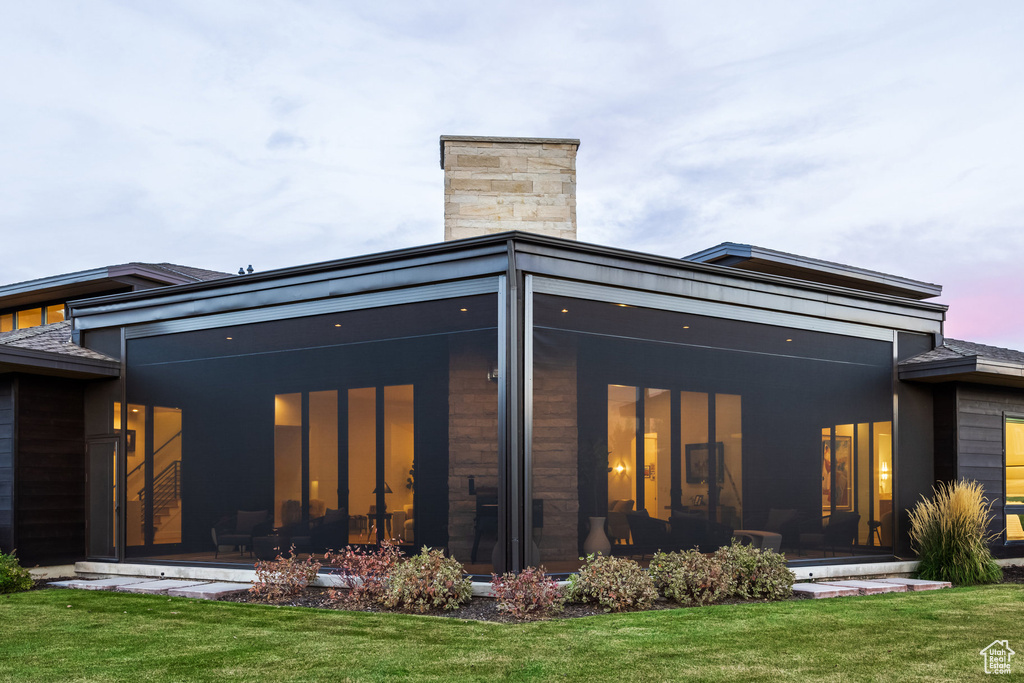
(615, 583)
(690, 578)
(364, 573)
(427, 581)
(755, 573)
(528, 595)
(283, 577)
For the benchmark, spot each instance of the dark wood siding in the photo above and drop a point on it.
(50, 470)
(6, 463)
(980, 411)
(945, 418)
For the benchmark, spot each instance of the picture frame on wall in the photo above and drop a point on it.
(697, 462)
(130, 440)
(840, 499)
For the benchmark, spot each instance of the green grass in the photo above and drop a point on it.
(63, 635)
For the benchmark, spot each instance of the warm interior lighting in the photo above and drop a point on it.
(463, 310)
(337, 324)
(686, 327)
(623, 305)
(620, 469)
(565, 310)
(135, 410)
(229, 338)
(789, 340)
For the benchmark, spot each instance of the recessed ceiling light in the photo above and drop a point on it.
(228, 337)
(789, 340)
(686, 327)
(565, 310)
(135, 410)
(622, 305)
(337, 324)
(463, 310)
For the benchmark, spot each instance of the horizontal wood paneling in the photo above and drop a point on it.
(6, 463)
(980, 444)
(50, 472)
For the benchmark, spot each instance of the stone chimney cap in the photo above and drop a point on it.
(520, 141)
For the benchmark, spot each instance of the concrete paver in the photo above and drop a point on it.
(98, 584)
(158, 586)
(918, 584)
(817, 590)
(209, 591)
(868, 587)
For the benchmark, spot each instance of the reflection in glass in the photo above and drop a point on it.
(362, 463)
(1014, 479)
(32, 317)
(166, 468)
(399, 463)
(135, 439)
(287, 459)
(323, 453)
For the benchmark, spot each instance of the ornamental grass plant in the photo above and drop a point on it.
(950, 534)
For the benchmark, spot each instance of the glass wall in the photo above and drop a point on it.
(671, 431)
(318, 432)
(1014, 429)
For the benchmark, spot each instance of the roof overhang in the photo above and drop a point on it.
(975, 369)
(761, 260)
(87, 283)
(497, 255)
(32, 362)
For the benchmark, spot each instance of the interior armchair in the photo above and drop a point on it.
(237, 530)
(838, 532)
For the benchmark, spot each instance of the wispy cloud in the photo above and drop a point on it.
(879, 134)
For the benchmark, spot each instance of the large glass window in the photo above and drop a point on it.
(324, 431)
(1014, 479)
(670, 431)
(153, 480)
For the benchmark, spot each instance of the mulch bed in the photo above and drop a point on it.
(478, 609)
(1013, 574)
(485, 609)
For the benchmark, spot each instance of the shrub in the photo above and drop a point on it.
(754, 573)
(690, 578)
(283, 577)
(427, 581)
(949, 534)
(13, 577)
(530, 594)
(364, 573)
(614, 583)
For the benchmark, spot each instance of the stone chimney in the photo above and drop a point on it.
(498, 184)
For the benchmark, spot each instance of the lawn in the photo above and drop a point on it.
(64, 635)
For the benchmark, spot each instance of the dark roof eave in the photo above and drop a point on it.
(498, 241)
(969, 369)
(732, 254)
(30, 361)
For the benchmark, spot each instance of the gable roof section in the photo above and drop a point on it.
(761, 260)
(964, 361)
(48, 350)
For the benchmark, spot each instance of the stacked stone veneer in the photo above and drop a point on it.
(473, 450)
(498, 184)
(555, 454)
(473, 443)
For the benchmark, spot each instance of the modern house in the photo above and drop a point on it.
(511, 395)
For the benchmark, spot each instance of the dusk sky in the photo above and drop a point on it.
(220, 134)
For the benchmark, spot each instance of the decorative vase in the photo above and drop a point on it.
(597, 542)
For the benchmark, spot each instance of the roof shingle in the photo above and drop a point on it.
(52, 338)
